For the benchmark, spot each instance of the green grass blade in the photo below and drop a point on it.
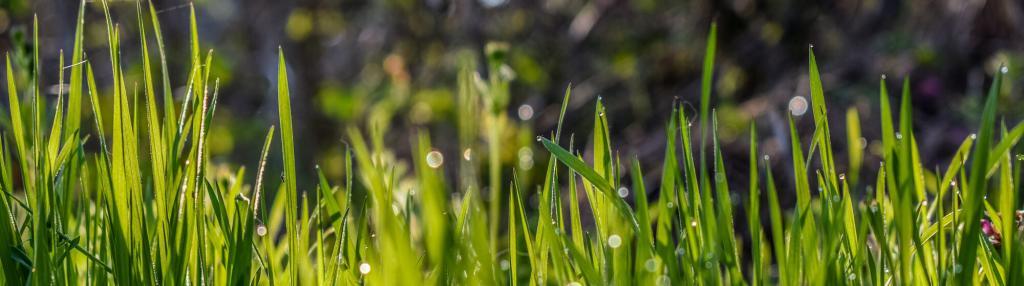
(977, 187)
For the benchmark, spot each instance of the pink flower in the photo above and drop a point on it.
(990, 232)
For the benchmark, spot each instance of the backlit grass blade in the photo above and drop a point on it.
(977, 187)
(854, 146)
(76, 83)
(288, 153)
(758, 266)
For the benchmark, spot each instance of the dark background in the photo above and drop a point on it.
(397, 59)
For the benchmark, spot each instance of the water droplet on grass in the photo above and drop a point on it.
(798, 105)
(364, 268)
(974, 136)
(435, 159)
(261, 230)
(623, 192)
(504, 264)
(1004, 69)
(467, 154)
(614, 241)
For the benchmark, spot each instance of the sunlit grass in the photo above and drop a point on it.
(145, 208)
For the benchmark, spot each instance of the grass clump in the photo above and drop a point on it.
(146, 210)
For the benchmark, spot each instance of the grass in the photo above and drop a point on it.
(146, 210)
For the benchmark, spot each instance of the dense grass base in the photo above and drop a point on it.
(146, 209)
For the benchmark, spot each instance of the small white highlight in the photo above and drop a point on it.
(623, 192)
(364, 268)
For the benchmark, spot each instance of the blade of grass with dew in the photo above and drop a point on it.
(977, 187)
(730, 251)
(777, 228)
(758, 267)
(288, 153)
(707, 74)
(645, 250)
(434, 203)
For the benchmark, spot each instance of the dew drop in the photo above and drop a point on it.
(766, 158)
(364, 268)
(899, 136)
(1004, 69)
(614, 241)
(851, 277)
(670, 205)
(680, 251)
(957, 268)
(798, 105)
(467, 154)
(883, 76)
(974, 136)
(538, 138)
(810, 45)
(435, 159)
(261, 230)
(693, 223)
(835, 198)
(842, 176)
(505, 264)
(623, 192)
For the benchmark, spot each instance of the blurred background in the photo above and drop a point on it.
(396, 62)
